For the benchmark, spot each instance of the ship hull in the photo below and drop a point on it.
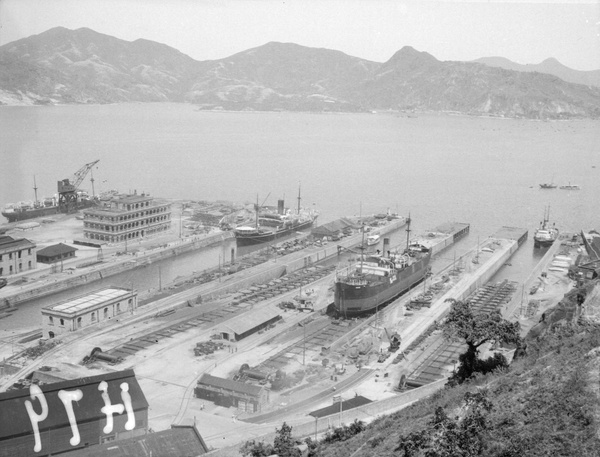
(543, 243)
(358, 300)
(16, 216)
(270, 235)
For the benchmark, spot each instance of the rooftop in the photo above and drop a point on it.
(247, 321)
(75, 305)
(228, 384)
(8, 243)
(56, 249)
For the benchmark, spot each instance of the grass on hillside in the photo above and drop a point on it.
(545, 404)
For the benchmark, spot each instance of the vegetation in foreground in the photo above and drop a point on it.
(545, 404)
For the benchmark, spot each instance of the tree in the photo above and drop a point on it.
(283, 444)
(475, 329)
(446, 437)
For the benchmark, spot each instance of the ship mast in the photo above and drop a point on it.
(35, 188)
(298, 198)
(408, 233)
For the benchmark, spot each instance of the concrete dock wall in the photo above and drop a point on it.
(105, 270)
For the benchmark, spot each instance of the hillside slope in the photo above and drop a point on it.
(62, 66)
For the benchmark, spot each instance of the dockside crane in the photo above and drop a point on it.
(67, 188)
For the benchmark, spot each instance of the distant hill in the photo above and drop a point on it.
(550, 66)
(62, 66)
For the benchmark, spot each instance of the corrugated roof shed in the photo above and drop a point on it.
(14, 419)
(247, 321)
(228, 384)
(335, 408)
(56, 249)
(179, 441)
(334, 227)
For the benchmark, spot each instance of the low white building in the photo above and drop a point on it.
(80, 312)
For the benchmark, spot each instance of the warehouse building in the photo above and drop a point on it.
(249, 323)
(226, 392)
(89, 309)
(16, 255)
(54, 418)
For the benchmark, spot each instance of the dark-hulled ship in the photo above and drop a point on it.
(376, 279)
(272, 225)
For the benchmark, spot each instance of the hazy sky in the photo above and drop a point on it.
(371, 29)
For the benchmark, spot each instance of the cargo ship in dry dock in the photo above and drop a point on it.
(372, 282)
(270, 225)
(70, 198)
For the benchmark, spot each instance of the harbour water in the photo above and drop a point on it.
(437, 167)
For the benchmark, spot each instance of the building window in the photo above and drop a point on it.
(51, 320)
(93, 317)
(118, 308)
(10, 269)
(20, 266)
(105, 313)
(19, 254)
(9, 255)
(62, 322)
(29, 251)
(29, 264)
(1, 271)
(79, 322)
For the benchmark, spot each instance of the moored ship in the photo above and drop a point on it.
(545, 235)
(69, 199)
(272, 225)
(375, 280)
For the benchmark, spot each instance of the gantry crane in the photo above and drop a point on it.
(67, 188)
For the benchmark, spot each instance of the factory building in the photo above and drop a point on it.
(80, 312)
(16, 255)
(51, 419)
(248, 323)
(227, 393)
(125, 218)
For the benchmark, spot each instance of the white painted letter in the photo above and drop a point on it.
(68, 397)
(36, 392)
(109, 409)
(130, 424)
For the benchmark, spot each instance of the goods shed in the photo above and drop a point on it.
(55, 253)
(333, 228)
(248, 323)
(226, 392)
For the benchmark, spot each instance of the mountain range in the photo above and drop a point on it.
(62, 66)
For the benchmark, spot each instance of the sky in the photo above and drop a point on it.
(524, 32)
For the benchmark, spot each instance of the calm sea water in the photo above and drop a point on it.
(437, 167)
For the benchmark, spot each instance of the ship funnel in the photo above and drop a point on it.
(280, 208)
(386, 246)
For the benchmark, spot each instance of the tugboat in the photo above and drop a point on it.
(376, 279)
(545, 235)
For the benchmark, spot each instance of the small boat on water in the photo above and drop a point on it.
(570, 187)
(548, 186)
(545, 235)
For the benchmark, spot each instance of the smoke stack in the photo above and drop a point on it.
(280, 208)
